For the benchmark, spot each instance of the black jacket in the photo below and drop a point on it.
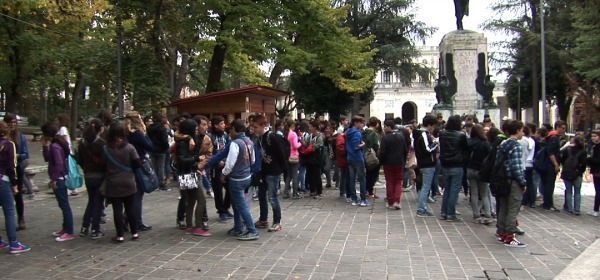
(273, 156)
(393, 150)
(453, 148)
(425, 149)
(478, 151)
(594, 160)
(160, 139)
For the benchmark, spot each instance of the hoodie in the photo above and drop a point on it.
(353, 140)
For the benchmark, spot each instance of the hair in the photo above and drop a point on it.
(303, 126)
(595, 131)
(148, 118)
(512, 127)
(279, 123)
(116, 135)
(542, 131)
(216, 120)
(12, 134)
(50, 130)
(398, 121)
(186, 115)
(532, 128)
(357, 119)
(579, 141)
(560, 123)
(260, 120)
(436, 132)
(493, 133)
(343, 119)
(315, 124)
(134, 122)
(238, 125)
(547, 126)
(526, 130)
(200, 118)
(429, 120)
(63, 120)
(478, 132)
(389, 123)
(454, 123)
(373, 121)
(105, 116)
(3, 129)
(9, 117)
(188, 127)
(92, 130)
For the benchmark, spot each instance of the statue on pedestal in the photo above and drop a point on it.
(461, 9)
(442, 94)
(487, 93)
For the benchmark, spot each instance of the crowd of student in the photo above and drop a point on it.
(210, 158)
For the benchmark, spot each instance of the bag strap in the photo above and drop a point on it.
(115, 161)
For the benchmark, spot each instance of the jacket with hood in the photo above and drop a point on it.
(353, 140)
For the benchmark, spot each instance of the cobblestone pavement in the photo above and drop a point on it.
(321, 239)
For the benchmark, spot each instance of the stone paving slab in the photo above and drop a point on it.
(321, 239)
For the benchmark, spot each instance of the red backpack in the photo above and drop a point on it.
(340, 150)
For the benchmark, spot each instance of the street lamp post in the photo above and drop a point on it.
(543, 54)
(519, 77)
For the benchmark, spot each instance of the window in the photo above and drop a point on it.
(386, 77)
(389, 103)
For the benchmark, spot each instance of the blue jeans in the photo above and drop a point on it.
(453, 181)
(158, 163)
(356, 172)
(138, 203)
(205, 182)
(269, 189)
(573, 187)
(93, 210)
(435, 183)
(427, 174)
(62, 197)
(302, 177)
(241, 213)
(8, 207)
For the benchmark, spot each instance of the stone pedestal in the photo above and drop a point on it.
(462, 54)
(478, 113)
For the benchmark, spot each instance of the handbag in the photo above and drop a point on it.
(294, 159)
(371, 160)
(146, 177)
(187, 181)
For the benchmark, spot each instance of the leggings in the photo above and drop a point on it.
(129, 203)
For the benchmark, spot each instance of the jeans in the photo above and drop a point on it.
(479, 193)
(268, 189)
(205, 182)
(371, 177)
(435, 183)
(573, 188)
(241, 213)
(537, 183)
(548, 180)
(508, 209)
(138, 203)
(302, 176)
(93, 210)
(291, 181)
(181, 205)
(356, 173)
(221, 195)
(343, 181)
(453, 182)
(427, 174)
(158, 163)
(327, 170)
(127, 202)
(597, 195)
(62, 197)
(531, 192)
(167, 164)
(6, 201)
(393, 183)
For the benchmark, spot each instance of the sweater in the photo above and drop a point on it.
(56, 157)
(8, 160)
(121, 183)
(393, 149)
(292, 137)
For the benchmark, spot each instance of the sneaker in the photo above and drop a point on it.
(348, 200)
(58, 233)
(135, 236)
(205, 225)
(144, 227)
(364, 203)
(519, 231)
(454, 220)
(201, 232)
(97, 234)
(443, 217)
(514, 243)
(425, 214)
(255, 197)
(229, 214)
(286, 196)
(577, 213)
(296, 196)
(16, 247)
(223, 218)
(261, 224)
(430, 200)
(117, 239)
(65, 237)
(248, 236)
(210, 194)
(103, 220)
(234, 232)
(275, 227)
(477, 220)
(188, 231)
(84, 232)
(355, 203)
(180, 225)
(593, 213)
(396, 206)
(3, 244)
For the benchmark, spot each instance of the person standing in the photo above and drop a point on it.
(273, 164)
(426, 154)
(453, 146)
(8, 188)
(221, 196)
(573, 160)
(157, 132)
(314, 159)
(63, 122)
(529, 196)
(392, 155)
(55, 150)
(372, 139)
(237, 170)
(594, 162)
(291, 181)
(136, 136)
(203, 151)
(479, 148)
(89, 157)
(510, 203)
(356, 161)
(548, 174)
(18, 138)
(121, 188)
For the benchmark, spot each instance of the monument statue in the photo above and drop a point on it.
(442, 93)
(461, 9)
(488, 93)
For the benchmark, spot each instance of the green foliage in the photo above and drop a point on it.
(587, 50)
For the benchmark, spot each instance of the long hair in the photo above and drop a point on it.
(63, 120)
(133, 122)
(12, 134)
(116, 135)
(94, 127)
(3, 129)
(50, 130)
(105, 116)
(188, 127)
(478, 132)
(288, 126)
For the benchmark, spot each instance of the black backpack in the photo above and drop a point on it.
(499, 177)
(572, 166)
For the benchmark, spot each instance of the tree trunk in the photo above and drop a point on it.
(535, 80)
(355, 104)
(77, 92)
(181, 74)
(275, 74)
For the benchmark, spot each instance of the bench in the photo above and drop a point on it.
(33, 131)
(33, 170)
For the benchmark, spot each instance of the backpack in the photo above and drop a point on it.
(541, 160)
(500, 177)
(571, 167)
(487, 167)
(74, 179)
(340, 149)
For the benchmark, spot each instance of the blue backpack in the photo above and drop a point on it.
(74, 179)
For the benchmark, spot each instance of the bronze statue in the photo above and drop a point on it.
(441, 94)
(488, 93)
(461, 9)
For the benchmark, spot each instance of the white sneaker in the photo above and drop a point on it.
(593, 213)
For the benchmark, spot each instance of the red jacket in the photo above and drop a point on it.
(340, 150)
